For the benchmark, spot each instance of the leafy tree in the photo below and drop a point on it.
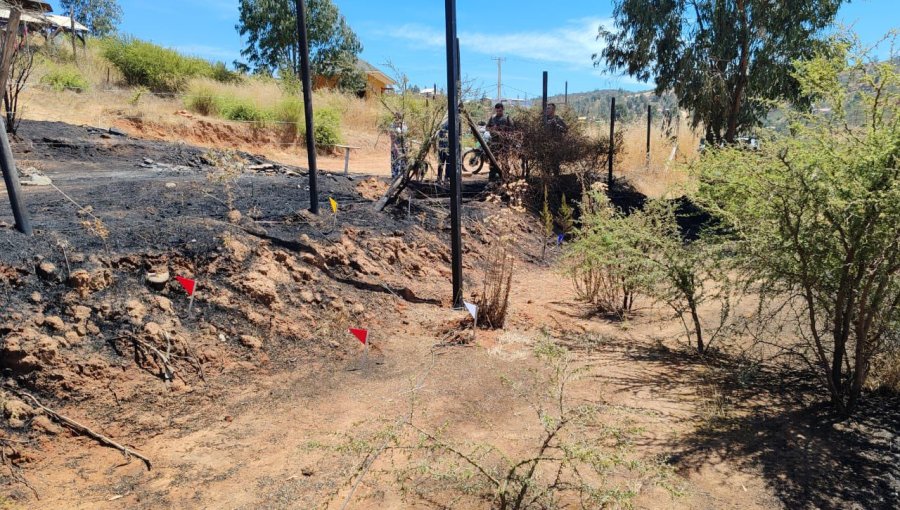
(723, 59)
(102, 17)
(817, 214)
(270, 29)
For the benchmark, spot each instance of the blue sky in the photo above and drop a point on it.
(532, 36)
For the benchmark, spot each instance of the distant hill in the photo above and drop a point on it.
(630, 106)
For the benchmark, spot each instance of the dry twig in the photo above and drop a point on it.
(81, 429)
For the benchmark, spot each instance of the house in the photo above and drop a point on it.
(377, 82)
(36, 17)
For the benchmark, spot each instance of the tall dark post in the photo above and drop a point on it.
(649, 121)
(612, 140)
(307, 106)
(454, 157)
(567, 93)
(11, 177)
(544, 100)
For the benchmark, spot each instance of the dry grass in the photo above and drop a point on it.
(660, 176)
(493, 304)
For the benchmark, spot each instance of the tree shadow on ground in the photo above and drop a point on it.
(769, 419)
(775, 420)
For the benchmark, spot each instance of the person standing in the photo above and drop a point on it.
(498, 125)
(555, 127)
(398, 131)
(443, 139)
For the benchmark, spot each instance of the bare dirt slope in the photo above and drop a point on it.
(273, 405)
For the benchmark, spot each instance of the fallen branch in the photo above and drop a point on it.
(81, 429)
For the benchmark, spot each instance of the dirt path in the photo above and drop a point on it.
(248, 446)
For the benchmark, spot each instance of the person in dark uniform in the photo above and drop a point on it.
(443, 142)
(498, 125)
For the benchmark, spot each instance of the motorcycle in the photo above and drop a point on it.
(473, 158)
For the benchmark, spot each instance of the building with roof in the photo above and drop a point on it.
(37, 18)
(377, 82)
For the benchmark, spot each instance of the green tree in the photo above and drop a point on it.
(817, 214)
(723, 59)
(270, 31)
(102, 17)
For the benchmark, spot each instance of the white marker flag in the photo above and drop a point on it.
(473, 309)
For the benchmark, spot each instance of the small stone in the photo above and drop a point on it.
(17, 413)
(55, 322)
(170, 185)
(307, 296)
(36, 297)
(251, 342)
(358, 309)
(337, 304)
(164, 304)
(46, 270)
(81, 313)
(234, 216)
(44, 424)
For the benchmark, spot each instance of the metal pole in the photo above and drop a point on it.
(307, 106)
(612, 140)
(544, 101)
(11, 177)
(649, 120)
(454, 156)
(567, 93)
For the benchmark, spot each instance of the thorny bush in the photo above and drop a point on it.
(817, 213)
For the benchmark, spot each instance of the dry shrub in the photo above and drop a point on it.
(494, 300)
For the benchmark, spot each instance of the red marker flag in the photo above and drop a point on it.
(187, 283)
(361, 334)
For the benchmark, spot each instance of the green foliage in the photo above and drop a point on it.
(159, 69)
(290, 110)
(566, 216)
(605, 260)
(269, 28)
(616, 255)
(817, 213)
(723, 60)
(243, 110)
(203, 100)
(102, 17)
(65, 78)
(327, 126)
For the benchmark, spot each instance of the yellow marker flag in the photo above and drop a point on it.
(333, 205)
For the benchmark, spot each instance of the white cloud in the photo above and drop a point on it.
(572, 44)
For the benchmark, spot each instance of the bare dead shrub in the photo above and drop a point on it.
(494, 300)
(19, 73)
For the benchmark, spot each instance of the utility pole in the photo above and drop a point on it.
(649, 120)
(544, 100)
(499, 78)
(307, 106)
(612, 141)
(567, 93)
(453, 76)
(72, 28)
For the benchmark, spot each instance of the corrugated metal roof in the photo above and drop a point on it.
(27, 17)
(65, 22)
